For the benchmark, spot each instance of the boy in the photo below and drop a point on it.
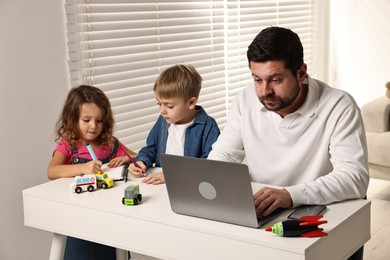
(183, 128)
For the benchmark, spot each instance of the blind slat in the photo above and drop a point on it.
(122, 46)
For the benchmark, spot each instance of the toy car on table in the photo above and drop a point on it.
(103, 181)
(132, 195)
(83, 183)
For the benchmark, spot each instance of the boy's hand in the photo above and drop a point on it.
(92, 167)
(136, 171)
(116, 162)
(155, 178)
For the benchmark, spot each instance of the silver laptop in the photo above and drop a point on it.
(211, 189)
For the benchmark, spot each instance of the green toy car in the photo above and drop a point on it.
(132, 195)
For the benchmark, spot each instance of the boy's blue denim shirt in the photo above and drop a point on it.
(199, 138)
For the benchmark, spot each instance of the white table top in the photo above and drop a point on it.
(152, 228)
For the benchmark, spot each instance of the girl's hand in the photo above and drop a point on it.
(154, 178)
(118, 161)
(136, 171)
(92, 167)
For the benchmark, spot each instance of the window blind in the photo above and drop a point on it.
(121, 46)
(245, 19)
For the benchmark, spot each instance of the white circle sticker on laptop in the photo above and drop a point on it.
(207, 190)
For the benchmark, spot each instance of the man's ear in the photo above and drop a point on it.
(192, 102)
(301, 73)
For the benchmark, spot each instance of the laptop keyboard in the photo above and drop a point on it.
(263, 220)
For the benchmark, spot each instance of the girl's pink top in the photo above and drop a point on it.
(101, 153)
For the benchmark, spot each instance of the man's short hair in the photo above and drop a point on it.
(277, 44)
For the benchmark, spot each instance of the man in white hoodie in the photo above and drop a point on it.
(294, 131)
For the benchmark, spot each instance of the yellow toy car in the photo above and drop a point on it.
(103, 181)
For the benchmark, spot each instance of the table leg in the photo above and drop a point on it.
(57, 247)
(121, 254)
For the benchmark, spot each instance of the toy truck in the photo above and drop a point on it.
(132, 195)
(83, 183)
(103, 181)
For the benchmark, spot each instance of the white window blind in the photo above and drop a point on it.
(121, 46)
(246, 18)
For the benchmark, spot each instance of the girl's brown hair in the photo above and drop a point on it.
(67, 124)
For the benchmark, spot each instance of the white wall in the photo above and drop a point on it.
(359, 47)
(33, 81)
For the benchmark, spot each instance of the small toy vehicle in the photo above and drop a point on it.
(103, 181)
(132, 195)
(83, 183)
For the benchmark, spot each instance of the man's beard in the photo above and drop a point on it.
(278, 102)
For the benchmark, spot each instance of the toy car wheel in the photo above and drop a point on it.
(135, 201)
(123, 200)
(78, 190)
(90, 188)
(140, 197)
(104, 186)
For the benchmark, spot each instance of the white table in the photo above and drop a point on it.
(151, 228)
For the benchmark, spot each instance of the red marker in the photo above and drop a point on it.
(133, 161)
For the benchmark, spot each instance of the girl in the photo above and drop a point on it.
(86, 118)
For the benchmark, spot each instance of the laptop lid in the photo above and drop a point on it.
(210, 189)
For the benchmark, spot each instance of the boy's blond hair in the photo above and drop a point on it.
(181, 80)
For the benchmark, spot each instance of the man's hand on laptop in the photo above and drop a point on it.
(269, 199)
